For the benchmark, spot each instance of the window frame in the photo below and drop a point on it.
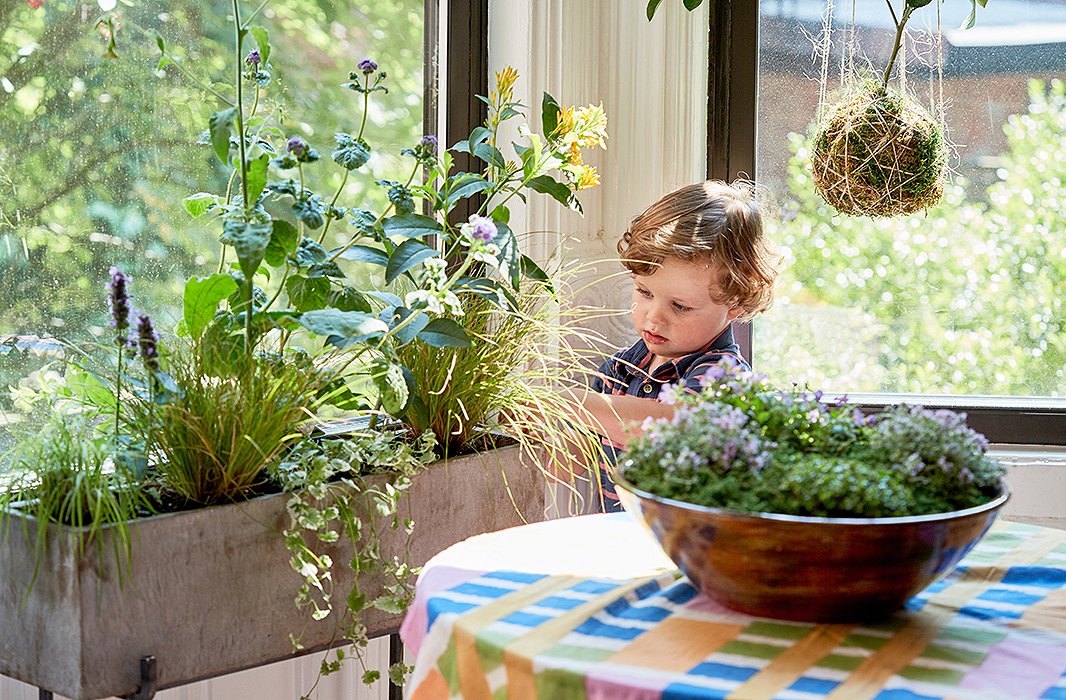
(732, 97)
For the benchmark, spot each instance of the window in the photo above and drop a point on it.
(962, 305)
(100, 147)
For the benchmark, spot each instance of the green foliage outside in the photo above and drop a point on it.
(98, 152)
(966, 299)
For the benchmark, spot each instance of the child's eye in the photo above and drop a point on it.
(681, 307)
(644, 293)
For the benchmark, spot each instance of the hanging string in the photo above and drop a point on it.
(940, 71)
(903, 64)
(851, 46)
(827, 44)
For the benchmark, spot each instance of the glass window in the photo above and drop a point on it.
(965, 298)
(100, 146)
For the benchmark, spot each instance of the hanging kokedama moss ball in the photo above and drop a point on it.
(878, 153)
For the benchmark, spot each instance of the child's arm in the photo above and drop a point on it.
(618, 416)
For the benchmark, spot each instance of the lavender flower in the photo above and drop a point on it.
(297, 146)
(148, 343)
(367, 65)
(429, 143)
(480, 228)
(253, 59)
(119, 300)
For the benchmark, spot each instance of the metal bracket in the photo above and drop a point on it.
(146, 691)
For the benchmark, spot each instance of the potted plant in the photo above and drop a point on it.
(779, 503)
(148, 503)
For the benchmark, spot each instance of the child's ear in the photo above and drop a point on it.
(734, 312)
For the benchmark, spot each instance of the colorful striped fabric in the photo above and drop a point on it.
(995, 628)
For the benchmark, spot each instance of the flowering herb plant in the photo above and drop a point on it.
(741, 445)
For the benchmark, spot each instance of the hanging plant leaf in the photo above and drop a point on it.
(219, 125)
(257, 177)
(350, 326)
(362, 253)
(350, 153)
(411, 226)
(307, 293)
(392, 387)
(249, 240)
(283, 240)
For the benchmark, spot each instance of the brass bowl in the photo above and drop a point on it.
(805, 568)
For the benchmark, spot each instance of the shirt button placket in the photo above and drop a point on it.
(646, 389)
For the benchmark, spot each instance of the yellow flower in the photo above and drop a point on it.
(592, 121)
(573, 154)
(505, 80)
(588, 178)
(567, 122)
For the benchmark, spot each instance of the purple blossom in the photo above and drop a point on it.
(119, 300)
(480, 228)
(253, 59)
(429, 143)
(148, 343)
(297, 146)
(367, 65)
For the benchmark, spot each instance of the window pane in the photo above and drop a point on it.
(97, 153)
(965, 298)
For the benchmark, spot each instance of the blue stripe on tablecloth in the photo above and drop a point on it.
(980, 613)
(1041, 576)
(517, 576)
(596, 628)
(1056, 693)
(818, 686)
(525, 619)
(624, 611)
(481, 590)
(681, 691)
(728, 672)
(1001, 595)
(440, 606)
(902, 694)
(594, 587)
(560, 602)
(680, 593)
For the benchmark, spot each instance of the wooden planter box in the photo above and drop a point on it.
(211, 590)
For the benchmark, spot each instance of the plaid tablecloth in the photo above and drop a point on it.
(995, 628)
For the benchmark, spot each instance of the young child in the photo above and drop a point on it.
(699, 261)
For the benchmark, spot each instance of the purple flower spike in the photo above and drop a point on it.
(119, 300)
(253, 58)
(429, 143)
(148, 343)
(481, 228)
(297, 146)
(367, 65)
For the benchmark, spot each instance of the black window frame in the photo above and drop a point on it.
(732, 97)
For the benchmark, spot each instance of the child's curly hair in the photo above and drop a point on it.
(712, 220)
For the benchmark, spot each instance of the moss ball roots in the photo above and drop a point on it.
(878, 153)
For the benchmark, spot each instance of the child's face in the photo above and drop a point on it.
(673, 311)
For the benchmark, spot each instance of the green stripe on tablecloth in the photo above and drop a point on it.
(752, 649)
(953, 633)
(942, 652)
(446, 664)
(841, 662)
(943, 676)
(560, 684)
(571, 651)
(489, 646)
(864, 641)
(778, 630)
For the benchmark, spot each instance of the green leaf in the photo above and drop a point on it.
(350, 153)
(918, 3)
(510, 255)
(201, 299)
(249, 240)
(531, 270)
(545, 184)
(219, 125)
(411, 226)
(971, 18)
(90, 388)
(284, 238)
(199, 203)
(462, 185)
(653, 5)
(549, 114)
(491, 155)
(691, 5)
(391, 385)
(501, 213)
(159, 41)
(349, 325)
(362, 253)
(444, 333)
(257, 177)
(262, 42)
(347, 299)
(409, 332)
(408, 254)
(307, 293)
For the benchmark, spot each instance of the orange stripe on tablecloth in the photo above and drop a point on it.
(473, 683)
(1048, 614)
(518, 655)
(793, 662)
(432, 687)
(676, 644)
(911, 640)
